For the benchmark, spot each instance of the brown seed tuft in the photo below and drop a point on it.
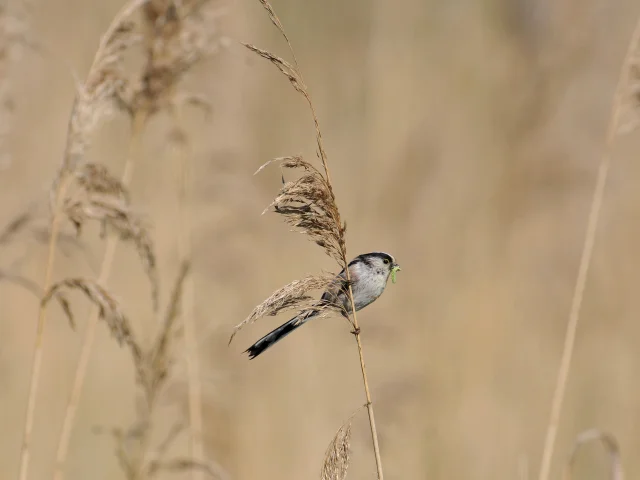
(104, 83)
(179, 35)
(285, 67)
(308, 204)
(95, 178)
(336, 458)
(102, 197)
(292, 296)
(109, 309)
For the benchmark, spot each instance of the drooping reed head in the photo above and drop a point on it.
(307, 203)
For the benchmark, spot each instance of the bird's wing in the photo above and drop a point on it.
(336, 294)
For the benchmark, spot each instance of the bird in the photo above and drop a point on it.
(368, 274)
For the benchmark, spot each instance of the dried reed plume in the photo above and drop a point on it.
(609, 443)
(99, 94)
(110, 310)
(309, 205)
(292, 296)
(337, 456)
(104, 198)
(625, 102)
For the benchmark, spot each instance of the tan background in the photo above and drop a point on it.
(463, 138)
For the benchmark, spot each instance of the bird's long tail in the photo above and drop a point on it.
(278, 334)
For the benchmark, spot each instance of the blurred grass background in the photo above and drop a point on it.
(463, 138)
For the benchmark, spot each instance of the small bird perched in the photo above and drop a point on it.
(368, 272)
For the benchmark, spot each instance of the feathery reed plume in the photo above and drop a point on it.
(292, 296)
(90, 105)
(309, 204)
(97, 97)
(625, 100)
(338, 454)
(176, 36)
(609, 443)
(110, 310)
(104, 198)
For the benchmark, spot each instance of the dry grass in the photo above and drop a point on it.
(465, 141)
(175, 41)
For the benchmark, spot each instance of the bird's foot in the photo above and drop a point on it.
(356, 330)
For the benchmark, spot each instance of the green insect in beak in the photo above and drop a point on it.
(395, 268)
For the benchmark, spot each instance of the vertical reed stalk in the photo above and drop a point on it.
(613, 129)
(138, 124)
(365, 381)
(36, 367)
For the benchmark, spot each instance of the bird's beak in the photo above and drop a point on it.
(394, 268)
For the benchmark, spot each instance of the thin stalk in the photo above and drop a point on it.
(183, 155)
(36, 367)
(138, 124)
(138, 466)
(372, 420)
(585, 259)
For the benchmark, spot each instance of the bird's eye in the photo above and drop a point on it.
(386, 261)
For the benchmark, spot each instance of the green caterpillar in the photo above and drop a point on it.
(393, 273)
